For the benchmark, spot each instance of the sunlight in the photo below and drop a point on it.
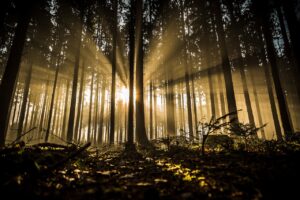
(122, 94)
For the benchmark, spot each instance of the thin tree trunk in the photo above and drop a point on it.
(27, 113)
(211, 93)
(287, 48)
(155, 114)
(52, 101)
(24, 101)
(171, 130)
(113, 82)
(96, 111)
(131, 75)
(44, 105)
(81, 94)
(65, 111)
(70, 132)
(283, 109)
(100, 130)
(187, 71)
(241, 65)
(294, 28)
(151, 109)
(231, 102)
(90, 109)
(56, 112)
(251, 61)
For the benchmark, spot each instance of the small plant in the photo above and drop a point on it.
(215, 124)
(244, 131)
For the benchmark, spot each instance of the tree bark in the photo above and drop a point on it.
(24, 101)
(70, 132)
(100, 130)
(187, 71)
(114, 66)
(231, 102)
(52, 102)
(90, 108)
(9, 77)
(141, 135)
(81, 94)
(283, 109)
(131, 75)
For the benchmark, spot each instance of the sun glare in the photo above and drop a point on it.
(122, 94)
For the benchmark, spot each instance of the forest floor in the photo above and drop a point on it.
(49, 171)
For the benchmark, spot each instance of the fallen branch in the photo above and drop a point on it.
(18, 138)
(71, 156)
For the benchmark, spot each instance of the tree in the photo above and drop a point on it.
(8, 81)
(75, 78)
(263, 19)
(129, 144)
(231, 102)
(113, 72)
(24, 100)
(139, 101)
(187, 71)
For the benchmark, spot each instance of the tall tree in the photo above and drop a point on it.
(263, 19)
(24, 100)
(231, 102)
(9, 78)
(113, 72)
(238, 52)
(52, 100)
(75, 77)
(130, 144)
(141, 135)
(293, 26)
(101, 124)
(187, 71)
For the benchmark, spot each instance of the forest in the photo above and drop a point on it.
(149, 99)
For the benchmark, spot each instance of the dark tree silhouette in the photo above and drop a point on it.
(8, 81)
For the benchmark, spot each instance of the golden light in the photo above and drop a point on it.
(122, 94)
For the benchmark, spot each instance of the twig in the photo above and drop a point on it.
(18, 138)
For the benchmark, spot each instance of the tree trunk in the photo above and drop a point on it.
(251, 63)
(231, 102)
(9, 77)
(294, 63)
(81, 94)
(151, 109)
(100, 130)
(96, 112)
(90, 109)
(114, 66)
(24, 101)
(70, 131)
(131, 76)
(294, 28)
(52, 102)
(211, 93)
(65, 111)
(187, 71)
(283, 109)
(155, 114)
(41, 124)
(241, 65)
(171, 130)
(141, 135)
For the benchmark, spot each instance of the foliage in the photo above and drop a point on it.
(213, 126)
(173, 141)
(244, 131)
